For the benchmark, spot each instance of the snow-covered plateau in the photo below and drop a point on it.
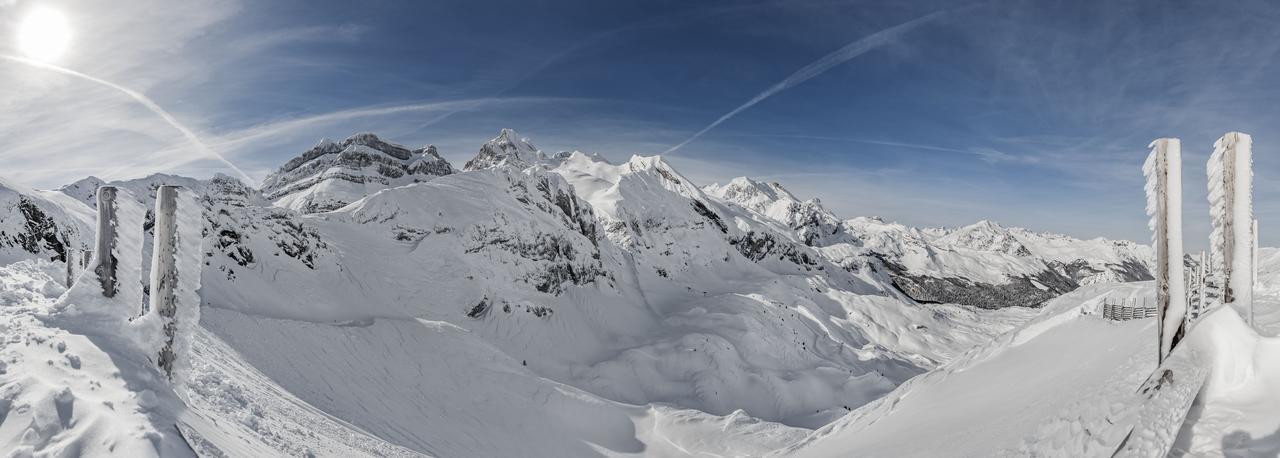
(372, 300)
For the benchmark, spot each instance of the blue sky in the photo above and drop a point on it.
(1032, 113)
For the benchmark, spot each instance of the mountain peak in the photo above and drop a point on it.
(751, 192)
(507, 135)
(508, 148)
(331, 175)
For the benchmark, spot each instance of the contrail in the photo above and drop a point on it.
(820, 66)
(145, 101)
(601, 36)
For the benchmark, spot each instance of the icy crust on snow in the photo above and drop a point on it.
(331, 175)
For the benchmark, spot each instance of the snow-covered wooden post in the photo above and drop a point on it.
(1202, 284)
(70, 257)
(1253, 264)
(1230, 170)
(1163, 170)
(105, 243)
(164, 270)
(1255, 253)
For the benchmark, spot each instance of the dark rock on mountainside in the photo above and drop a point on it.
(331, 175)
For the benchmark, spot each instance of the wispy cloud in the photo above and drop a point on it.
(141, 99)
(818, 67)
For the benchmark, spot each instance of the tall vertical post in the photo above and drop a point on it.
(1253, 263)
(1201, 284)
(1231, 206)
(104, 244)
(1163, 170)
(70, 257)
(164, 271)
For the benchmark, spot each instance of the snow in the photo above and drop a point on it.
(1166, 159)
(66, 393)
(1235, 415)
(1035, 388)
(578, 307)
(75, 231)
(1239, 146)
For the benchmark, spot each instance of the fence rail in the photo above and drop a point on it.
(1123, 312)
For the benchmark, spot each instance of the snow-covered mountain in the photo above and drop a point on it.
(507, 149)
(985, 264)
(41, 224)
(373, 285)
(331, 175)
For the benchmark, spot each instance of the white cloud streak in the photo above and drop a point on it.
(818, 67)
(141, 99)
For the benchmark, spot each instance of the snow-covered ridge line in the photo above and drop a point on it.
(623, 280)
(983, 264)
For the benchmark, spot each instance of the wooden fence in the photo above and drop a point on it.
(1121, 311)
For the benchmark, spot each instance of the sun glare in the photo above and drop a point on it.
(44, 35)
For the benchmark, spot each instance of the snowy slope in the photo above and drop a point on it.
(1035, 389)
(1067, 382)
(562, 306)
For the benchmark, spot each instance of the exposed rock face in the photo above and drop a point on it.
(508, 148)
(331, 175)
(41, 224)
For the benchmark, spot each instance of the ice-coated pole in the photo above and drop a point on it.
(105, 243)
(164, 271)
(1163, 171)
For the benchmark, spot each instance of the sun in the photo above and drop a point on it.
(44, 35)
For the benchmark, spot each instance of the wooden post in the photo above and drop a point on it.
(164, 272)
(1164, 205)
(71, 261)
(1253, 263)
(1231, 205)
(1228, 231)
(1203, 283)
(105, 243)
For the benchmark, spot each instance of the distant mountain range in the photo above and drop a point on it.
(624, 279)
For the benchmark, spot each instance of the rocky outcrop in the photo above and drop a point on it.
(331, 175)
(507, 149)
(41, 224)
